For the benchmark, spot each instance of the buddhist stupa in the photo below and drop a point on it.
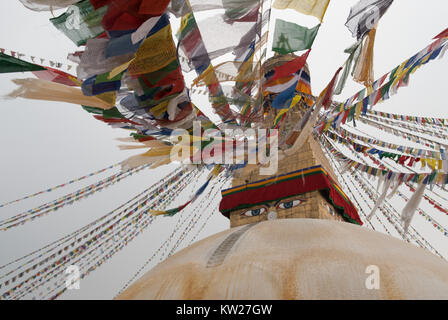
(294, 235)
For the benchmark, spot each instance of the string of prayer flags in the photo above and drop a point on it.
(36, 60)
(365, 15)
(397, 158)
(401, 133)
(316, 8)
(427, 217)
(408, 118)
(213, 174)
(290, 37)
(96, 235)
(67, 199)
(425, 130)
(435, 177)
(9, 64)
(60, 185)
(382, 89)
(416, 152)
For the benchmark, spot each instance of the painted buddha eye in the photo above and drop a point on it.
(290, 204)
(255, 212)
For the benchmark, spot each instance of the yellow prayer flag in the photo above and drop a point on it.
(116, 71)
(155, 152)
(295, 100)
(160, 109)
(439, 178)
(423, 163)
(108, 97)
(316, 8)
(431, 163)
(214, 173)
(156, 52)
(358, 110)
(363, 72)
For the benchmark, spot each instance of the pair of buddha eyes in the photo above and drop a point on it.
(281, 205)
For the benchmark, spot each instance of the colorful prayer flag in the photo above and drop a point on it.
(283, 100)
(290, 67)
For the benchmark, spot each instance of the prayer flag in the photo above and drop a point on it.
(365, 15)
(290, 67)
(10, 64)
(363, 72)
(290, 37)
(283, 100)
(316, 8)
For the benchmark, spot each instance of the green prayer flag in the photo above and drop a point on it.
(93, 110)
(112, 114)
(237, 9)
(81, 22)
(290, 37)
(354, 51)
(10, 64)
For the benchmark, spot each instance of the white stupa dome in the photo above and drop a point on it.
(295, 259)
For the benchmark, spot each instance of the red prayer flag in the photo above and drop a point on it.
(329, 90)
(153, 7)
(290, 67)
(57, 76)
(130, 14)
(443, 34)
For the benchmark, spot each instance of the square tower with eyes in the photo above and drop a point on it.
(311, 205)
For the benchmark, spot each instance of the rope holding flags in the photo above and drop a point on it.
(35, 60)
(213, 174)
(61, 185)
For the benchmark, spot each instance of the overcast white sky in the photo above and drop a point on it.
(45, 143)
